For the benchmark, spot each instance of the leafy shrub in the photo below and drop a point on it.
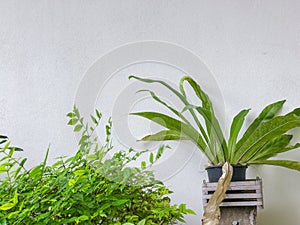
(87, 188)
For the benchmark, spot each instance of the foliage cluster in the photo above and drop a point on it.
(265, 137)
(87, 188)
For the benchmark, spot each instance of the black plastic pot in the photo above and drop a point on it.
(215, 172)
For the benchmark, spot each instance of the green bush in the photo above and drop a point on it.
(87, 188)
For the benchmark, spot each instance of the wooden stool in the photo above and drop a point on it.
(241, 202)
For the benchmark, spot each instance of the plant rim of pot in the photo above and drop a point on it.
(264, 138)
(214, 172)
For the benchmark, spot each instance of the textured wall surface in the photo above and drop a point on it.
(250, 48)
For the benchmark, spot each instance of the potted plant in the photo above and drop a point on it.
(86, 188)
(264, 138)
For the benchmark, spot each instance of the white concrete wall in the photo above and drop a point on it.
(48, 49)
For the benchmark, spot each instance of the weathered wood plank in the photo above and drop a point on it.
(234, 188)
(244, 203)
(235, 183)
(237, 196)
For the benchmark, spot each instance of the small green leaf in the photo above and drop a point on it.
(151, 158)
(15, 199)
(72, 121)
(76, 112)
(7, 206)
(94, 120)
(120, 202)
(17, 149)
(71, 114)
(71, 182)
(143, 164)
(2, 169)
(11, 152)
(5, 146)
(78, 128)
(142, 222)
(189, 211)
(99, 115)
(159, 152)
(35, 171)
(79, 172)
(91, 157)
(83, 218)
